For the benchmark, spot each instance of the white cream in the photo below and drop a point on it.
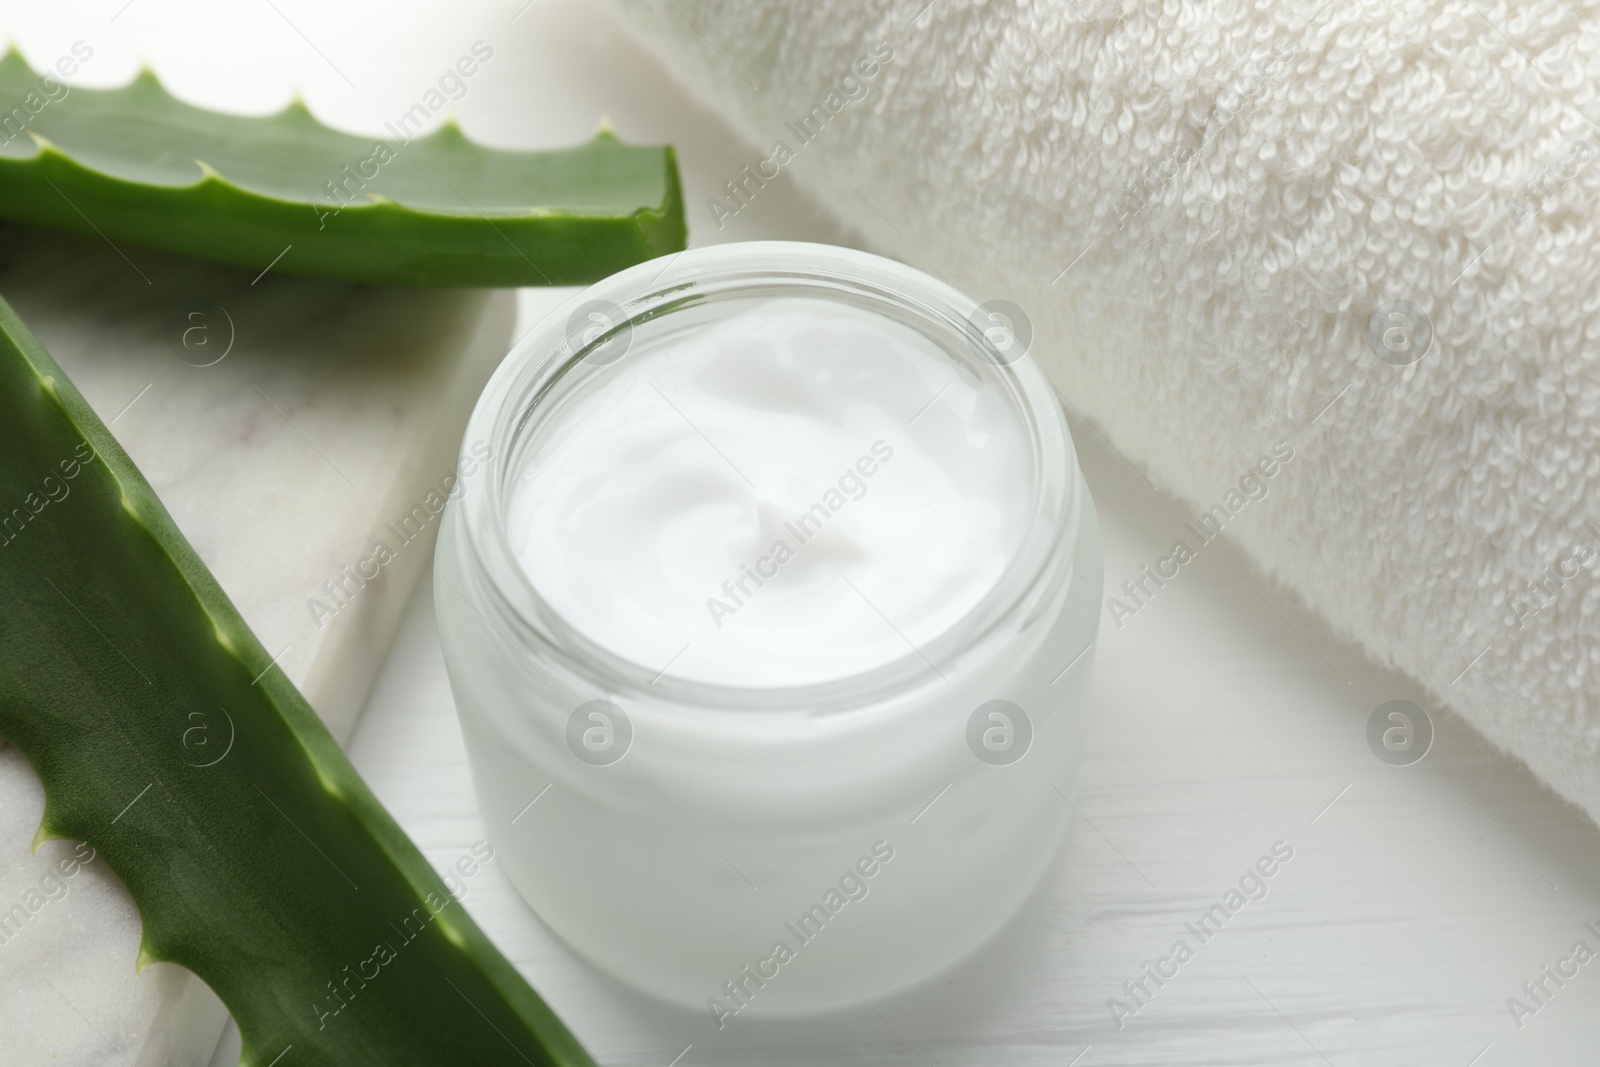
(795, 492)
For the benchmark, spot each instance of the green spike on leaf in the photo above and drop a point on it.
(136, 165)
(257, 857)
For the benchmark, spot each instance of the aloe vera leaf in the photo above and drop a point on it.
(137, 165)
(272, 872)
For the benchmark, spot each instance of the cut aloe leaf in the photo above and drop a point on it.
(136, 165)
(167, 740)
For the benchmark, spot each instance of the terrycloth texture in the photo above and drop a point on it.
(1200, 206)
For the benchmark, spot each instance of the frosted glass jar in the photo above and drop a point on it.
(769, 848)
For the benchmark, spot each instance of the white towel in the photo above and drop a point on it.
(1217, 216)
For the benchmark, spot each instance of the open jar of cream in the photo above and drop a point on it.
(768, 599)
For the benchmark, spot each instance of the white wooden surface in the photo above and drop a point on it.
(1413, 907)
(1223, 719)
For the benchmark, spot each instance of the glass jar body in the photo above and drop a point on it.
(873, 845)
(769, 850)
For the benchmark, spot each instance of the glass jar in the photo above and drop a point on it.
(786, 848)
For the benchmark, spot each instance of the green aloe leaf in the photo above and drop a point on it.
(136, 165)
(257, 857)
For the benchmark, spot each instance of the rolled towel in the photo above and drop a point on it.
(1364, 232)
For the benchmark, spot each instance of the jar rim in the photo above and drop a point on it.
(554, 355)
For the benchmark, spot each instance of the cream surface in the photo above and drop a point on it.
(797, 492)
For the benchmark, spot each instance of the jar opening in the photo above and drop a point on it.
(768, 472)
